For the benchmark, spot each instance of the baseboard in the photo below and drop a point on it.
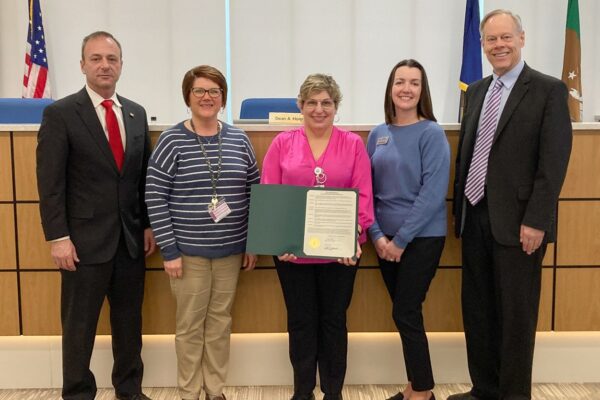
(262, 359)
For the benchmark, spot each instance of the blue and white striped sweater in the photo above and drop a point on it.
(178, 191)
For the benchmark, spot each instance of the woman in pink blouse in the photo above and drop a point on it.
(317, 292)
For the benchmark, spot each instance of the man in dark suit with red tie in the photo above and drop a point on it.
(512, 158)
(93, 149)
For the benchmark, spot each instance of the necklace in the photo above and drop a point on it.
(214, 175)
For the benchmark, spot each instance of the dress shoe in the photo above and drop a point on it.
(333, 397)
(303, 397)
(463, 396)
(397, 396)
(136, 396)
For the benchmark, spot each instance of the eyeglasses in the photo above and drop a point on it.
(212, 92)
(325, 104)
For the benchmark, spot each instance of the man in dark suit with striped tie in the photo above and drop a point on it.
(92, 154)
(512, 158)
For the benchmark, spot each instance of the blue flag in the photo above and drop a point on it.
(470, 70)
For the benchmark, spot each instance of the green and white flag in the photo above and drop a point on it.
(571, 74)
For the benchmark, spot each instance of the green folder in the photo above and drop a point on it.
(277, 220)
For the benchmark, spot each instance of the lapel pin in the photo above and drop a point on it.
(131, 115)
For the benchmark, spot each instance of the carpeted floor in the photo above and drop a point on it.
(549, 391)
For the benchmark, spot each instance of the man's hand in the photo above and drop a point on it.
(174, 268)
(531, 239)
(64, 254)
(149, 242)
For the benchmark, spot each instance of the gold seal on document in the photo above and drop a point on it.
(314, 242)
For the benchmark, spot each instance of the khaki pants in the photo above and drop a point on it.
(204, 297)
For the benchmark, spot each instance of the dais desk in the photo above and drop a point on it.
(30, 284)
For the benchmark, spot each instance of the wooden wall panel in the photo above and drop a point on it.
(371, 308)
(8, 252)
(442, 310)
(582, 175)
(577, 299)
(259, 305)
(34, 251)
(9, 306)
(25, 144)
(578, 233)
(159, 306)
(40, 302)
(6, 182)
(549, 257)
(451, 256)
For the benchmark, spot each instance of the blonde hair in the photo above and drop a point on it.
(515, 18)
(315, 83)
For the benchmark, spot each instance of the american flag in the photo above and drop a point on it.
(35, 80)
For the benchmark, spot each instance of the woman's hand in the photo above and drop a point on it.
(351, 261)
(249, 262)
(392, 252)
(380, 245)
(174, 268)
(287, 257)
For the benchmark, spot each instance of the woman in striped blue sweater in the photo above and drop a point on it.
(197, 192)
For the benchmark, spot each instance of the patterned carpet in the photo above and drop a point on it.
(550, 391)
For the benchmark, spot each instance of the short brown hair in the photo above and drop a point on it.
(98, 34)
(315, 83)
(207, 72)
(424, 107)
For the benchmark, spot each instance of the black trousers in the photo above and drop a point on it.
(407, 282)
(500, 300)
(317, 297)
(82, 293)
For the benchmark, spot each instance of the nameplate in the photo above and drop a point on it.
(280, 118)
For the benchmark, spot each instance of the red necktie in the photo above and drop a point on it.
(114, 134)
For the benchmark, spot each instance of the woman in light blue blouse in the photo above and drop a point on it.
(410, 160)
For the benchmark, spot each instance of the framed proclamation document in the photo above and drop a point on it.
(310, 222)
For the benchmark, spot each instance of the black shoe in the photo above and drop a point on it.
(137, 396)
(397, 396)
(462, 396)
(333, 397)
(303, 396)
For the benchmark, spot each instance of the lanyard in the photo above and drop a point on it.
(214, 175)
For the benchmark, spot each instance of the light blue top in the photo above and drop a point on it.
(411, 168)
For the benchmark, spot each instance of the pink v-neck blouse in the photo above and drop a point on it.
(345, 162)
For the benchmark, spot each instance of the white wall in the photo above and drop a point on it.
(275, 44)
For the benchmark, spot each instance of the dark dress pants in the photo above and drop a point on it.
(500, 300)
(407, 282)
(121, 280)
(317, 297)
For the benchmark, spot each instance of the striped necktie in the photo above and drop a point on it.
(474, 188)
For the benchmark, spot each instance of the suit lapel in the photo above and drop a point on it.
(515, 97)
(88, 115)
(128, 122)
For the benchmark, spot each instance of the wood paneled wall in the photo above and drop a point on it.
(30, 284)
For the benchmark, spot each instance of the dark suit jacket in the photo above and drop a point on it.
(82, 193)
(528, 159)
